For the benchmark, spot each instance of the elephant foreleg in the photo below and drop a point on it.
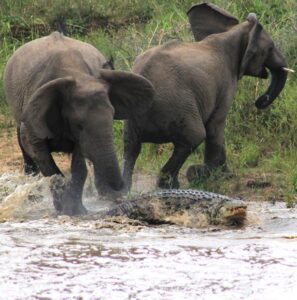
(214, 154)
(168, 177)
(131, 153)
(132, 148)
(70, 203)
(183, 147)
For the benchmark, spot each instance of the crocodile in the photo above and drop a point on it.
(185, 207)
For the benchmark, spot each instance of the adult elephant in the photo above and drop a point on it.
(64, 98)
(195, 84)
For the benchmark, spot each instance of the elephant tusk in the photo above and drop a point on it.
(288, 70)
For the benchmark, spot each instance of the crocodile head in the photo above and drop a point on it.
(230, 213)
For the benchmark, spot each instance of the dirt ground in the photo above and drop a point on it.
(11, 157)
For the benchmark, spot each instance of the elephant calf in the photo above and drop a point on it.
(64, 98)
(195, 85)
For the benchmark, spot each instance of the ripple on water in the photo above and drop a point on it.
(48, 257)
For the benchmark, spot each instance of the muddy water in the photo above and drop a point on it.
(45, 256)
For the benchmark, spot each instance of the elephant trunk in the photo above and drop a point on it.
(278, 80)
(99, 149)
(108, 179)
(276, 64)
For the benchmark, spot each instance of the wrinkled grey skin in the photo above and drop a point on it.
(195, 85)
(64, 100)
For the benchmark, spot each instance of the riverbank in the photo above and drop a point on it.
(261, 145)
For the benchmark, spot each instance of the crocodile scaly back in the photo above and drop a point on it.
(178, 198)
(182, 193)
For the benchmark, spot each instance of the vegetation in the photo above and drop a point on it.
(261, 145)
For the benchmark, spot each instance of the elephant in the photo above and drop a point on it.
(195, 83)
(64, 97)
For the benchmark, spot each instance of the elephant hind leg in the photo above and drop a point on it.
(30, 167)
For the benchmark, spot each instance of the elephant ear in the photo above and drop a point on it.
(43, 101)
(252, 63)
(130, 94)
(206, 19)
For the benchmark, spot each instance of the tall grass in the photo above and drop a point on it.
(257, 141)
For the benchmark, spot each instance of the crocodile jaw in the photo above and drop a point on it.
(232, 214)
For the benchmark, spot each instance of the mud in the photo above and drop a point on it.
(46, 256)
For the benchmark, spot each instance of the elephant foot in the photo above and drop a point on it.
(72, 209)
(165, 181)
(198, 173)
(31, 169)
(111, 193)
(57, 187)
(65, 201)
(116, 197)
(67, 205)
(127, 185)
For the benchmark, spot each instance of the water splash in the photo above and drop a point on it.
(23, 197)
(46, 256)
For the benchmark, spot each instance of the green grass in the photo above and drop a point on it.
(258, 142)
